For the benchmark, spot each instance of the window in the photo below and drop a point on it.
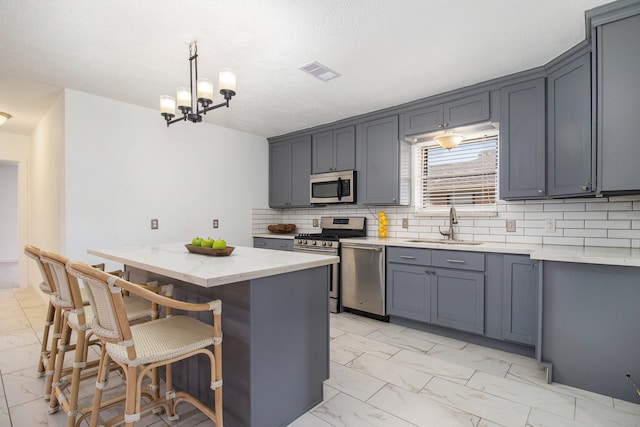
(465, 176)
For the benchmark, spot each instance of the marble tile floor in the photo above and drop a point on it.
(381, 375)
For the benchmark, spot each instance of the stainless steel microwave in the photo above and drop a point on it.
(333, 187)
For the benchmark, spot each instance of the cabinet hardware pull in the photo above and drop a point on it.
(366, 248)
(407, 257)
(459, 261)
(446, 125)
(540, 191)
(440, 125)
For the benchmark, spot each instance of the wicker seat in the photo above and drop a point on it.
(77, 317)
(141, 348)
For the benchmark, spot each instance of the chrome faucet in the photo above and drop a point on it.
(453, 219)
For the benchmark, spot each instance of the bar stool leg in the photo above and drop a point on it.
(44, 352)
(57, 328)
(101, 383)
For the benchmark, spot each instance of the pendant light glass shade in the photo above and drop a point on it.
(167, 105)
(448, 141)
(227, 81)
(183, 95)
(204, 89)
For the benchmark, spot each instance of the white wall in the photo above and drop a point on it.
(125, 167)
(15, 148)
(8, 211)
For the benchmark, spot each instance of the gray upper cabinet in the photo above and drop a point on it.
(570, 154)
(519, 299)
(461, 112)
(522, 140)
(617, 62)
(383, 163)
(289, 170)
(334, 150)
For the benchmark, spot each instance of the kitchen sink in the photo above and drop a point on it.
(445, 242)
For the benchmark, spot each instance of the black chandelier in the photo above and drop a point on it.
(204, 94)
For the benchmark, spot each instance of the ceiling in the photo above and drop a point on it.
(388, 52)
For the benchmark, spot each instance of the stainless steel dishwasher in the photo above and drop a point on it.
(363, 278)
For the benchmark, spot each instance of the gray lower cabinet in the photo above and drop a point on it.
(618, 103)
(289, 170)
(457, 299)
(383, 163)
(408, 292)
(522, 140)
(277, 244)
(460, 112)
(334, 150)
(519, 299)
(570, 153)
(418, 288)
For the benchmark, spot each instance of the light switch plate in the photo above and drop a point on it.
(405, 222)
(511, 225)
(550, 225)
(215, 223)
(316, 222)
(154, 224)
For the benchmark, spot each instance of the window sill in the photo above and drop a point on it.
(459, 211)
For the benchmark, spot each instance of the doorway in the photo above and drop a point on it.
(9, 271)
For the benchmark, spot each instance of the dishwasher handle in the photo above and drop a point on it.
(366, 248)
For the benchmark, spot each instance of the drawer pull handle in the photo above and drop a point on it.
(458, 261)
(407, 257)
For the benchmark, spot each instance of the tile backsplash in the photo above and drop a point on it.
(612, 222)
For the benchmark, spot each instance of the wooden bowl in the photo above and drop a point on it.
(281, 228)
(209, 251)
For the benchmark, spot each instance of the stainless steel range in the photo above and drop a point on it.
(328, 242)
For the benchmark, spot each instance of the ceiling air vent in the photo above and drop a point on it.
(320, 71)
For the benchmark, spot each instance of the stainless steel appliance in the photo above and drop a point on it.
(333, 187)
(328, 242)
(363, 279)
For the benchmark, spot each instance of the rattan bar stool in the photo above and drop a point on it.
(140, 349)
(76, 317)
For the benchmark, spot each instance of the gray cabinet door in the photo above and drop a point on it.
(461, 112)
(289, 170)
(519, 299)
(423, 120)
(522, 140)
(300, 171)
(344, 141)
(570, 152)
(280, 174)
(378, 162)
(457, 300)
(408, 291)
(618, 82)
(323, 157)
(466, 111)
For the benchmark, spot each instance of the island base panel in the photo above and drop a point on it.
(275, 345)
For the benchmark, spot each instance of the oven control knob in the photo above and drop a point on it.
(330, 244)
(305, 242)
(324, 243)
(314, 243)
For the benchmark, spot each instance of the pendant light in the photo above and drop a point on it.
(184, 99)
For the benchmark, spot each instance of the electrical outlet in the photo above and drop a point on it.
(511, 225)
(405, 222)
(316, 222)
(550, 225)
(215, 223)
(154, 224)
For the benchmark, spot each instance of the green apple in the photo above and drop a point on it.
(219, 244)
(207, 243)
(196, 241)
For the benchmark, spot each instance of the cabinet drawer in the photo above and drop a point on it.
(458, 260)
(413, 256)
(282, 244)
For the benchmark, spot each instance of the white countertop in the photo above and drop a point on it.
(173, 260)
(579, 254)
(286, 236)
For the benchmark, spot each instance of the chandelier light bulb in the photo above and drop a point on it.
(167, 105)
(204, 90)
(183, 95)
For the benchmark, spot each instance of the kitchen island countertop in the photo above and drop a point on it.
(173, 260)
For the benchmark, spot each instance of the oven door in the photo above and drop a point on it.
(334, 290)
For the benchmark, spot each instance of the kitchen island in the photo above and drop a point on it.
(275, 323)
